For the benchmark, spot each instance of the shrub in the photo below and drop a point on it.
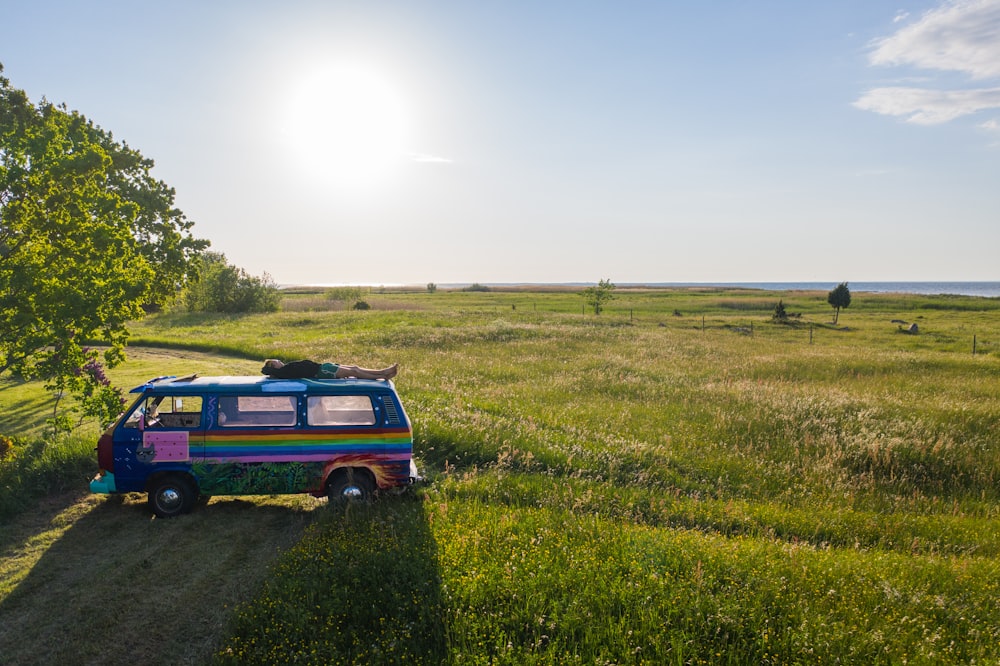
(779, 313)
(362, 305)
(222, 287)
(344, 294)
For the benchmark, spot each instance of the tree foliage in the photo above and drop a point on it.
(222, 287)
(87, 238)
(839, 297)
(599, 294)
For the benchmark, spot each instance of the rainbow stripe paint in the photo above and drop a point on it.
(255, 446)
(240, 461)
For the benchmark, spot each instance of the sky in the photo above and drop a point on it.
(383, 143)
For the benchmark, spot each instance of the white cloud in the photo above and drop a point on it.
(990, 126)
(959, 36)
(962, 36)
(928, 107)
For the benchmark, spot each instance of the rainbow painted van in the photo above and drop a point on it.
(190, 436)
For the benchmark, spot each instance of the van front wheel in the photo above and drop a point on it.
(350, 484)
(172, 495)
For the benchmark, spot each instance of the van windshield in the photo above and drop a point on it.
(167, 411)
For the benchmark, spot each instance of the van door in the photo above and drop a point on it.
(172, 430)
(161, 431)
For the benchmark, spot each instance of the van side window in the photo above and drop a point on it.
(168, 411)
(326, 410)
(244, 411)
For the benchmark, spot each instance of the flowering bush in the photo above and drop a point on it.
(96, 397)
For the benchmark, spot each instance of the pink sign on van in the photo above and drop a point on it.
(168, 446)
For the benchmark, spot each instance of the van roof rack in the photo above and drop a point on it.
(165, 379)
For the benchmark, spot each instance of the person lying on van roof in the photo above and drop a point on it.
(312, 370)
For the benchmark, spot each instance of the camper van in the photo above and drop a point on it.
(186, 437)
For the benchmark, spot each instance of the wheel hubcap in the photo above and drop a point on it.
(352, 492)
(169, 499)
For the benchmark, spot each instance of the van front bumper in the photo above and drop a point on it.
(103, 484)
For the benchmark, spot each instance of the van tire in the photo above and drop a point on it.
(171, 495)
(350, 484)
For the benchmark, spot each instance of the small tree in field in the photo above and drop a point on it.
(839, 297)
(599, 295)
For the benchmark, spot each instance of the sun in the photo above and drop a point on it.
(346, 126)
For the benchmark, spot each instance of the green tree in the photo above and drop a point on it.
(598, 295)
(87, 239)
(222, 287)
(839, 297)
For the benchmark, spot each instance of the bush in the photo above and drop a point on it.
(344, 294)
(362, 305)
(222, 287)
(780, 315)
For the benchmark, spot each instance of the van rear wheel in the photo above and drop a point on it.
(171, 495)
(350, 485)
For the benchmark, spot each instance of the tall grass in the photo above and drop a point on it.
(32, 468)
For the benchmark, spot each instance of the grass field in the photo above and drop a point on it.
(678, 480)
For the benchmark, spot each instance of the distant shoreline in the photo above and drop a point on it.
(983, 289)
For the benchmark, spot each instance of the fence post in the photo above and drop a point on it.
(973, 345)
(703, 323)
(810, 333)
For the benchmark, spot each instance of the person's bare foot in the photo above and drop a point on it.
(391, 371)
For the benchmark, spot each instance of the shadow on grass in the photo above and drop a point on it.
(108, 584)
(362, 586)
(25, 413)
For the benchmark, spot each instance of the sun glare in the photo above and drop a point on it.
(346, 126)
